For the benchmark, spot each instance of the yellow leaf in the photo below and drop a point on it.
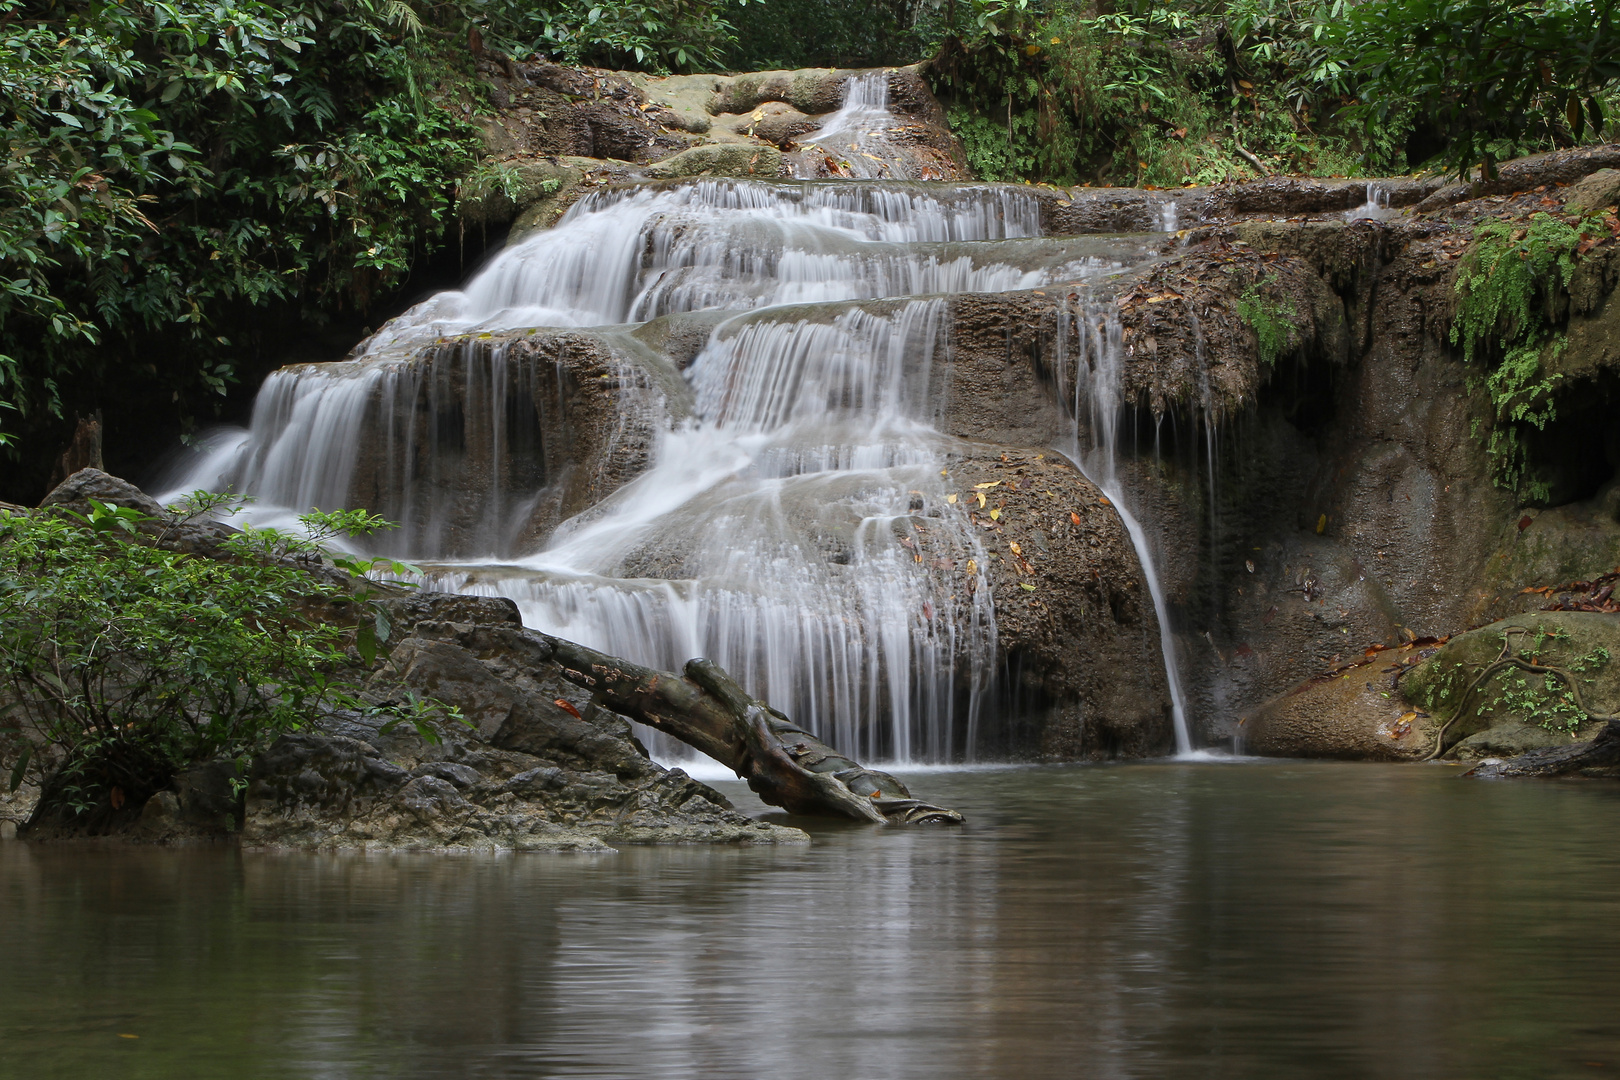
(1246, 84)
(951, 499)
(1031, 50)
(981, 500)
(757, 115)
(995, 515)
(1016, 550)
(991, 484)
(1321, 525)
(1026, 585)
(973, 566)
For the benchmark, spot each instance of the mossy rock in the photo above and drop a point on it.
(1593, 193)
(1575, 641)
(490, 203)
(721, 159)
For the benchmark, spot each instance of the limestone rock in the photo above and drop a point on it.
(764, 162)
(1356, 714)
(1593, 193)
(1066, 584)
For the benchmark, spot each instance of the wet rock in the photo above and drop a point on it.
(1356, 714)
(1507, 740)
(764, 162)
(192, 537)
(1598, 757)
(332, 792)
(578, 415)
(1594, 193)
(207, 794)
(161, 812)
(1066, 584)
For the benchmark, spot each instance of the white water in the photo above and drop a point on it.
(1099, 398)
(791, 526)
(855, 137)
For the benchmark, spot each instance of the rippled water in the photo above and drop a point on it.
(1152, 920)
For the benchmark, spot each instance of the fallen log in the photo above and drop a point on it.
(1598, 756)
(783, 764)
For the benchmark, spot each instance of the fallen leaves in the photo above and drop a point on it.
(568, 707)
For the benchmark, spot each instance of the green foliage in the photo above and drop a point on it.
(661, 36)
(134, 661)
(1544, 699)
(829, 33)
(1161, 94)
(1507, 284)
(172, 165)
(1271, 319)
(1499, 77)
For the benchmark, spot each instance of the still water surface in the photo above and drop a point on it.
(1151, 920)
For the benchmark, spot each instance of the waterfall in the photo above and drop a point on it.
(1098, 403)
(783, 535)
(770, 495)
(854, 137)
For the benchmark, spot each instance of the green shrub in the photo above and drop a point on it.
(133, 662)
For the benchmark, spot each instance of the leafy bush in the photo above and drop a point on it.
(1498, 77)
(175, 166)
(1163, 94)
(132, 661)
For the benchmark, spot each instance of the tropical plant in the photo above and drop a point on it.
(1498, 77)
(129, 661)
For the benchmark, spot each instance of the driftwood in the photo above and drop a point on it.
(784, 765)
(1598, 756)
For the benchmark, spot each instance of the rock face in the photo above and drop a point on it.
(1074, 623)
(484, 443)
(540, 767)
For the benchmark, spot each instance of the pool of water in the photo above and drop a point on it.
(1151, 920)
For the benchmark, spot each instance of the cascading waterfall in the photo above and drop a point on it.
(1098, 403)
(779, 537)
(789, 515)
(854, 136)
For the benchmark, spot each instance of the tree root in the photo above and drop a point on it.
(1505, 660)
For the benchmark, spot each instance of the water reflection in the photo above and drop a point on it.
(1133, 922)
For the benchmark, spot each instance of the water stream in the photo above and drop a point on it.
(792, 462)
(1156, 921)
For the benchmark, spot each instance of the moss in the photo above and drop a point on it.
(1509, 286)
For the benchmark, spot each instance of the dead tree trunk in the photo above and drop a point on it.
(1597, 756)
(784, 765)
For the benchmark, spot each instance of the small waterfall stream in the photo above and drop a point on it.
(795, 473)
(1099, 402)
